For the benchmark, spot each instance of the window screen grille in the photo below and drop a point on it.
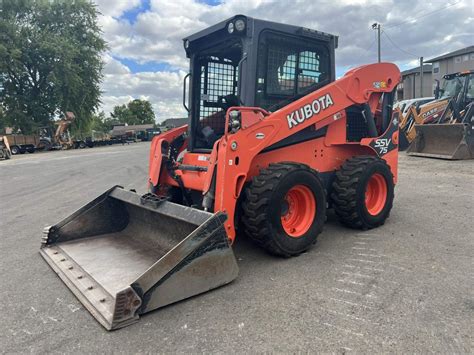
(218, 78)
(291, 68)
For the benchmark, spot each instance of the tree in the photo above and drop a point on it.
(135, 112)
(50, 62)
(99, 123)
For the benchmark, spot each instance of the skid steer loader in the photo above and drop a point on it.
(446, 131)
(272, 139)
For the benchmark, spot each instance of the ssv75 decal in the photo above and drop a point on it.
(382, 145)
(309, 110)
(386, 143)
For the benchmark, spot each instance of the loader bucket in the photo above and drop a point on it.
(445, 141)
(123, 254)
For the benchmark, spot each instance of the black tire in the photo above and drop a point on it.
(82, 145)
(44, 146)
(349, 189)
(264, 203)
(15, 150)
(30, 150)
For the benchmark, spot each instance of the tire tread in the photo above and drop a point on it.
(344, 194)
(257, 198)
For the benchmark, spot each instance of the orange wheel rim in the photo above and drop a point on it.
(298, 211)
(376, 194)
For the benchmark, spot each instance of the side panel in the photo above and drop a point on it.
(313, 153)
(386, 146)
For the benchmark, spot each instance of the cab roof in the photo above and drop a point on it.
(255, 26)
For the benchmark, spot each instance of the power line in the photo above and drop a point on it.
(398, 47)
(377, 26)
(424, 15)
(373, 42)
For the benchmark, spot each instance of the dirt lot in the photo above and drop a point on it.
(405, 287)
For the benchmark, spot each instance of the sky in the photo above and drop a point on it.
(146, 59)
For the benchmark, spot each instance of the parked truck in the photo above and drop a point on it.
(22, 143)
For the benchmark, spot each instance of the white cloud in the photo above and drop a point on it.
(116, 7)
(421, 28)
(162, 89)
(113, 67)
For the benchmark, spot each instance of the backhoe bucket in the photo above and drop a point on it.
(445, 141)
(123, 254)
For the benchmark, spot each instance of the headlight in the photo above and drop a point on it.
(240, 25)
(230, 27)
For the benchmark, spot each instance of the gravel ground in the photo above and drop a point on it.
(404, 287)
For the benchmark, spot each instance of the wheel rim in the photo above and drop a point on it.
(298, 211)
(376, 194)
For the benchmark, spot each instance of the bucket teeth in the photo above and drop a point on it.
(45, 237)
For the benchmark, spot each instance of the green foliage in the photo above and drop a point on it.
(135, 112)
(2, 120)
(102, 124)
(50, 62)
(98, 123)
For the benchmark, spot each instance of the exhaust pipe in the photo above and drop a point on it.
(124, 255)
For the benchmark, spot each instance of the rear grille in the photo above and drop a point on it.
(356, 126)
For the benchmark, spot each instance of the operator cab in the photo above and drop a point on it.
(458, 85)
(248, 62)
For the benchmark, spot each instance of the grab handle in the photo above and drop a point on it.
(184, 91)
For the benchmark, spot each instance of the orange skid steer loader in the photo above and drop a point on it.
(273, 139)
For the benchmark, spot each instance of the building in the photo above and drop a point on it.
(409, 87)
(450, 63)
(122, 129)
(174, 122)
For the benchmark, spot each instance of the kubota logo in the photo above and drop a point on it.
(309, 110)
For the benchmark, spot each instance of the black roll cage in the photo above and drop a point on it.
(247, 64)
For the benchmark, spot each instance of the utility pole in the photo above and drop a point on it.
(376, 26)
(421, 76)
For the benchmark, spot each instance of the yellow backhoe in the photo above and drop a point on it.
(444, 128)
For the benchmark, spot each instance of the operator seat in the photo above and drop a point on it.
(213, 126)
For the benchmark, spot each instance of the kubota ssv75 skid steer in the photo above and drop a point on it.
(272, 139)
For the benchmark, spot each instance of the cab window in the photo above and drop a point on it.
(289, 68)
